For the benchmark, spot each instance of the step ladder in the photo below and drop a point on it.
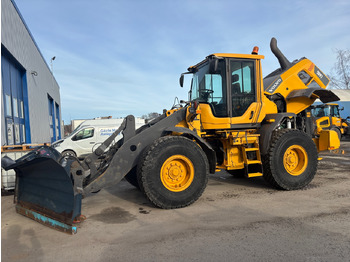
(252, 159)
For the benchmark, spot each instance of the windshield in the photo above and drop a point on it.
(335, 111)
(320, 111)
(210, 88)
(75, 130)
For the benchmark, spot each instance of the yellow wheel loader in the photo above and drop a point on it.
(328, 118)
(233, 120)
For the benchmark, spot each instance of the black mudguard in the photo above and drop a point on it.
(324, 95)
(267, 129)
(208, 150)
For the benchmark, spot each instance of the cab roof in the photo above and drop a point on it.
(238, 56)
(227, 55)
(327, 104)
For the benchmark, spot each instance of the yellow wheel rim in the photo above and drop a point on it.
(177, 173)
(295, 160)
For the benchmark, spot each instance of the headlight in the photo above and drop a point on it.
(57, 143)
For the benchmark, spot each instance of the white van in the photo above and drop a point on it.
(89, 135)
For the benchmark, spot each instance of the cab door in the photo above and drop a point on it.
(243, 97)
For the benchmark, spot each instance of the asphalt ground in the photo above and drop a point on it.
(234, 220)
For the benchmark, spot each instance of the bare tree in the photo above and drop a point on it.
(150, 116)
(340, 73)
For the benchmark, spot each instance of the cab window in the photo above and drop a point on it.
(320, 111)
(242, 86)
(335, 111)
(84, 134)
(210, 88)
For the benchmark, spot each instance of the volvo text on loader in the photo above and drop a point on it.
(233, 120)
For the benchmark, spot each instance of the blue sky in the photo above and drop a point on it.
(120, 57)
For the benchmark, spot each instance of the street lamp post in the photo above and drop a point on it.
(54, 136)
(53, 58)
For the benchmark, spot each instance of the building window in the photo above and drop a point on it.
(8, 105)
(52, 119)
(58, 121)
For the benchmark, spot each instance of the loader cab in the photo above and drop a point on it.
(327, 116)
(331, 110)
(227, 88)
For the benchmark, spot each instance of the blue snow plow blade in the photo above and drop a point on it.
(44, 189)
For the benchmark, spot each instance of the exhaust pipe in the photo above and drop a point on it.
(284, 62)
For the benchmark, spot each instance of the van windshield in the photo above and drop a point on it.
(75, 130)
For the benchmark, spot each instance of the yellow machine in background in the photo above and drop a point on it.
(328, 118)
(234, 120)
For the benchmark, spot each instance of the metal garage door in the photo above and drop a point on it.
(15, 101)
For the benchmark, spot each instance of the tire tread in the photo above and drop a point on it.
(270, 172)
(148, 159)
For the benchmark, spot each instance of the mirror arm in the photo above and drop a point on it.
(181, 80)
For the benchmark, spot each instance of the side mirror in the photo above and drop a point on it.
(213, 66)
(181, 80)
(341, 108)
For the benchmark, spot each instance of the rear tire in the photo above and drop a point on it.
(173, 172)
(291, 162)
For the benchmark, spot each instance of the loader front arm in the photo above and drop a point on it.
(123, 156)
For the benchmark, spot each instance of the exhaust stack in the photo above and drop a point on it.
(284, 62)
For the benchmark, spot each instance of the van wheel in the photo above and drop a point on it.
(68, 153)
(173, 172)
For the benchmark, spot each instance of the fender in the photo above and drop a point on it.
(208, 150)
(324, 95)
(268, 127)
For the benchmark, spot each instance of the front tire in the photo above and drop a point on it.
(173, 172)
(68, 153)
(291, 162)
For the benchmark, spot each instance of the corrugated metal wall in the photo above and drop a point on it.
(344, 95)
(16, 38)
